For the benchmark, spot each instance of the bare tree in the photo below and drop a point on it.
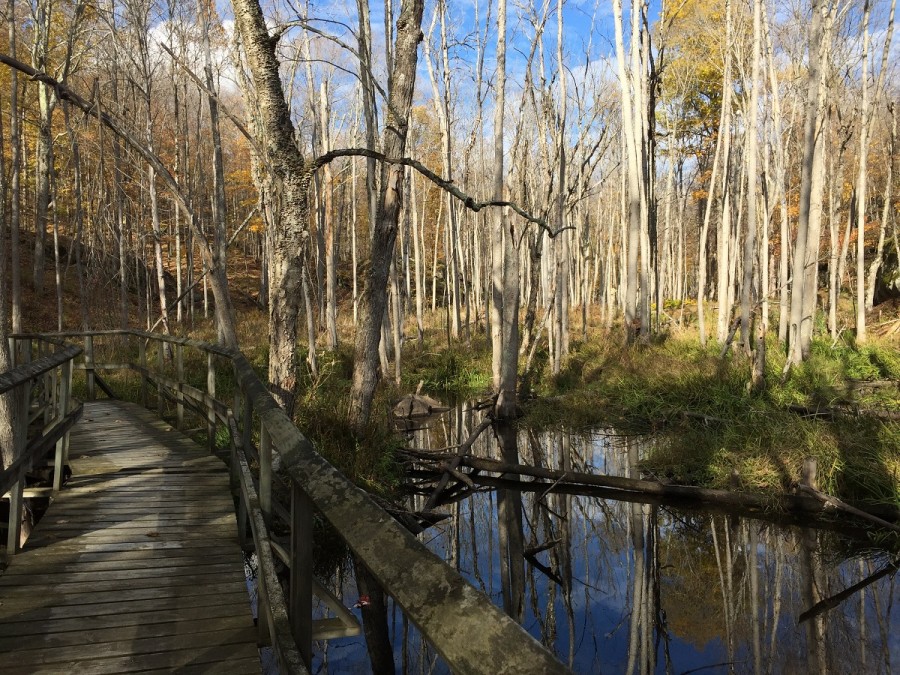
(384, 230)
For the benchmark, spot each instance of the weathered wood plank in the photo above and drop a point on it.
(136, 565)
(225, 656)
(191, 574)
(135, 645)
(119, 632)
(108, 621)
(87, 590)
(155, 604)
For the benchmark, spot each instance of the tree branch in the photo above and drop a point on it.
(222, 107)
(448, 186)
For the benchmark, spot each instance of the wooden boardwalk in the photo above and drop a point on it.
(136, 565)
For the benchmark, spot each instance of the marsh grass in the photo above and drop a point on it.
(707, 425)
(642, 390)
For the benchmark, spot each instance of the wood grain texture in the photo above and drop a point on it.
(136, 564)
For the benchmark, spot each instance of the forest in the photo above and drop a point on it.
(377, 183)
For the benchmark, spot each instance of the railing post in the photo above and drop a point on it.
(263, 638)
(265, 474)
(52, 383)
(160, 364)
(301, 571)
(211, 413)
(247, 422)
(62, 409)
(179, 397)
(14, 530)
(16, 495)
(26, 351)
(245, 536)
(142, 357)
(89, 365)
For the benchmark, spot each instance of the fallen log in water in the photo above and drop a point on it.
(833, 502)
(454, 462)
(617, 487)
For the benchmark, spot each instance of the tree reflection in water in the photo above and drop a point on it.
(639, 588)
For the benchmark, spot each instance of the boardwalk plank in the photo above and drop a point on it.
(135, 566)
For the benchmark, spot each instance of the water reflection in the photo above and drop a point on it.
(613, 587)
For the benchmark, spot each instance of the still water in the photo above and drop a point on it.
(613, 587)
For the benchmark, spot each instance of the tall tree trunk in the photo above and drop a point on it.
(402, 85)
(328, 208)
(505, 255)
(803, 284)
(751, 253)
(632, 318)
(15, 143)
(291, 185)
(878, 259)
(43, 11)
(779, 178)
(861, 183)
(711, 192)
(561, 300)
(219, 244)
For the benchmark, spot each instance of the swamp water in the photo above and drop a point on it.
(614, 587)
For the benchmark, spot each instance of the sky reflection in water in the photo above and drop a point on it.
(640, 588)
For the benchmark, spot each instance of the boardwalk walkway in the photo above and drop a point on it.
(136, 565)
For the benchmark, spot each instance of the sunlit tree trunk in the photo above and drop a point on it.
(861, 183)
(753, 254)
(632, 153)
(803, 284)
(42, 15)
(561, 299)
(15, 143)
(402, 85)
(724, 133)
(219, 211)
(878, 259)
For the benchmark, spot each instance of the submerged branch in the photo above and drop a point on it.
(831, 602)
(453, 464)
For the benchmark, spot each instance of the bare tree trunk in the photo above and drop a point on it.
(286, 165)
(402, 85)
(562, 246)
(632, 318)
(751, 253)
(861, 183)
(724, 254)
(419, 266)
(885, 213)
(15, 143)
(779, 178)
(803, 285)
(42, 14)
(328, 208)
(504, 255)
(218, 270)
(711, 192)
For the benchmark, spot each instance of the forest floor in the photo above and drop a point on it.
(841, 407)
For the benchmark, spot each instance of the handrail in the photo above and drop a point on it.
(54, 413)
(29, 371)
(471, 633)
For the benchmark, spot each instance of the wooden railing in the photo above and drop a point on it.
(464, 626)
(39, 392)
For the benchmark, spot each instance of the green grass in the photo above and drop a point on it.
(647, 390)
(642, 390)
